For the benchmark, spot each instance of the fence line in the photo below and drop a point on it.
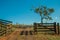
(4, 24)
(53, 27)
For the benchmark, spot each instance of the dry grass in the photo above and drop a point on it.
(39, 36)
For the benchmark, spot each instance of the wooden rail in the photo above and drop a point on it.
(47, 26)
(4, 26)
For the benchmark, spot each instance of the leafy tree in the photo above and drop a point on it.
(44, 12)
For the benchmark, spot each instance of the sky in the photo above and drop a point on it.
(19, 11)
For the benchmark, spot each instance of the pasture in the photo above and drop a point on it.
(36, 32)
(16, 35)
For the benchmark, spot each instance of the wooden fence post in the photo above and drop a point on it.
(58, 28)
(55, 27)
(35, 28)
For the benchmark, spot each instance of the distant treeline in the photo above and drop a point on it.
(21, 25)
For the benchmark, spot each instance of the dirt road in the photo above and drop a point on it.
(28, 35)
(12, 36)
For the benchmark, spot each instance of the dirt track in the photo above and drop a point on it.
(19, 32)
(12, 36)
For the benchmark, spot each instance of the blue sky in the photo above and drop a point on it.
(18, 11)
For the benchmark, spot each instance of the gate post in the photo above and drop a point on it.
(35, 28)
(55, 27)
(58, 28)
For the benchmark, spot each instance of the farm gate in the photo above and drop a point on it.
(46, 27)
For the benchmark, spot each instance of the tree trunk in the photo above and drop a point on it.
(41, 21)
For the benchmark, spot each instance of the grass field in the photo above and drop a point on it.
(40, 36)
